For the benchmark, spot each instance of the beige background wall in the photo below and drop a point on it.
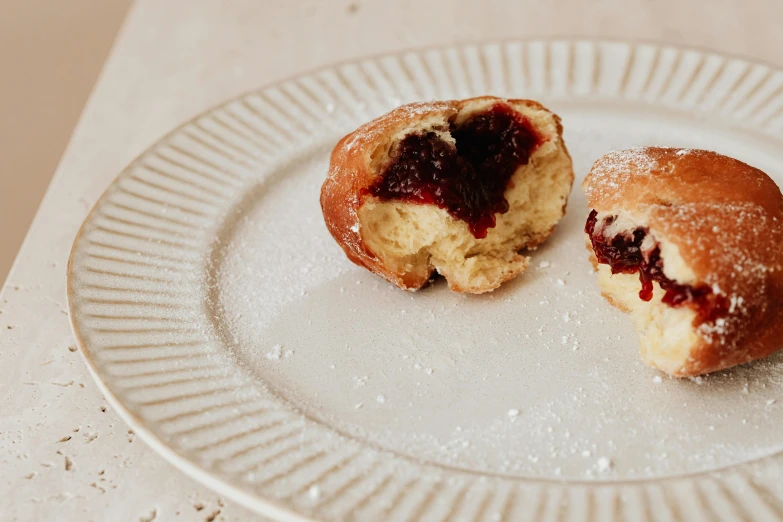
(51, 52)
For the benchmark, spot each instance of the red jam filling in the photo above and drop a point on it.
(624, 255)
(467, 180)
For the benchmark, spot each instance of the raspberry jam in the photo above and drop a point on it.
(468, 179)
(624, 255)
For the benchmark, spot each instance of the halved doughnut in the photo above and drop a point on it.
(689, 243)
(457, 187)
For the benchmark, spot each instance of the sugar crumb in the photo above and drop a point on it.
(604, 464)
(275, 353)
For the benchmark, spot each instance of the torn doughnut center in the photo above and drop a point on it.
(629, 253)
(467, 178)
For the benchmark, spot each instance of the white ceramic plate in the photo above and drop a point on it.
(231, 332)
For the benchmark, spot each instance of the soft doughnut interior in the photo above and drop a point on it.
(416, 239)
(667, 333)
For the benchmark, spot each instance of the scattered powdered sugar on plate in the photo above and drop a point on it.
(604, 464)
(429, 376)
(277, 353)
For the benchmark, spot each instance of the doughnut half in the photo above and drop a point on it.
(695, 241)
(457, 187)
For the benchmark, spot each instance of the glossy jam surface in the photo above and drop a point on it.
(624, 255)
(467, 180)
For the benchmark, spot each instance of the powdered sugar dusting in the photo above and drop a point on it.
(275, 353)
(748, 249)
(615, 169)
(371, 132)
(731, 243)
(483, 383)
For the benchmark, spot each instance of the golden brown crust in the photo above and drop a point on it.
(726, 218)
(352, 171)
(350, 175)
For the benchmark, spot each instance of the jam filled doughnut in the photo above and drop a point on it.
(457, 187)
(689, 243)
